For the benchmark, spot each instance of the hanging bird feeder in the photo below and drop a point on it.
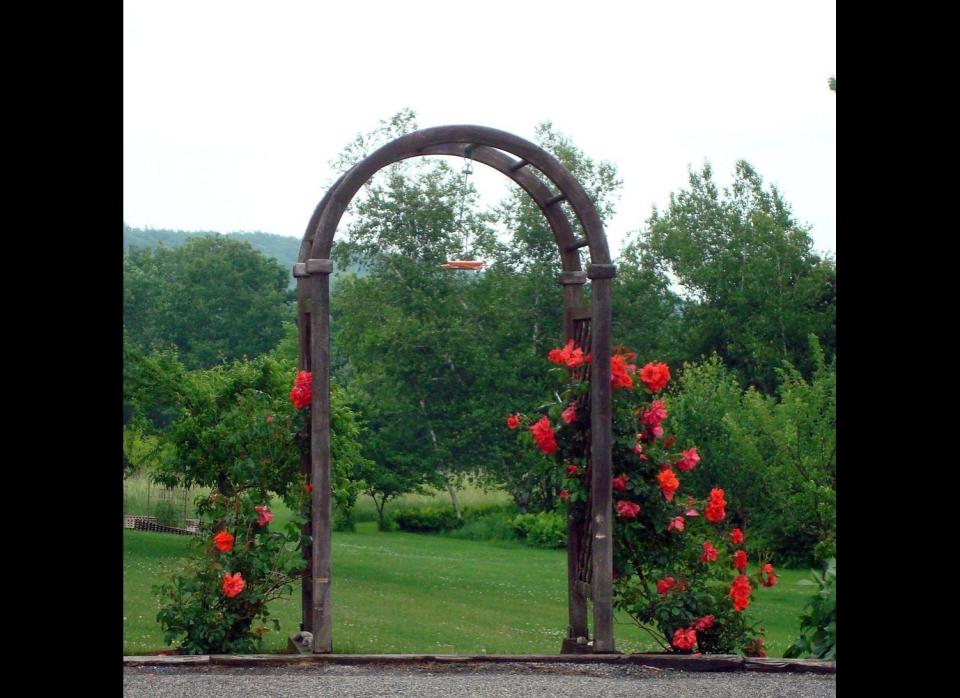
(464, 264)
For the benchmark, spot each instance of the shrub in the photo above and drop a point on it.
(545, 529)
(472, 512)
(774, 456)
(493, 526)
(343, 520)
(166, 514)
(818, 624)
(427, 519)
(218, 603)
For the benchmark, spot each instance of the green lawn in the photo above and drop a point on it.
(415, 593)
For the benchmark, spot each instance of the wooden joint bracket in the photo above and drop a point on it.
(601, 271)
(567, 278)
(319, 266)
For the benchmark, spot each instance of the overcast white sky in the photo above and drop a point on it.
(232, 109)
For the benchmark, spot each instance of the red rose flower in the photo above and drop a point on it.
(704, 623)
(564, 495)
(740, 593)
(684, 639)
(570, 356)
(668, 483)
(689, 460)
(263, 515)
(666, 584)
(655, 376)
(269, 419)
(569, 414)
(223, 541)
(308, 487)
(676, 524)
(736, 536)
(572, 470)
(740, 560)
(620, 372)
(691, 512)
(233, 584)
(627, 510)
(715, 507)
(755, 648)
(709, 552)
(768, 577)
(669, 441)
(543, 435)
(302, 391)
(656, 432)
(656, 414)
(513, 421)
(620, 483)
(638, 448)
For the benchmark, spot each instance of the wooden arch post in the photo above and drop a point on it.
(494, 148)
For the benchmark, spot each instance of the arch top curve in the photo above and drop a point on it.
(450, 140)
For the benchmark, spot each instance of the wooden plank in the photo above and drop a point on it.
(306, 468)
(556, 199)
(168, 660)
(584, 588)
(600, 483)
(776, 665)
(676, 662)
(320, 461)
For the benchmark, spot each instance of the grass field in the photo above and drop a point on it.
(415, 593)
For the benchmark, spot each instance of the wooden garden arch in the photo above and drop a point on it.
(589, 547)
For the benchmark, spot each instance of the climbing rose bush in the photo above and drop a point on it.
(218, 602)
(679, 570)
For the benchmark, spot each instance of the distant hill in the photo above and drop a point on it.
(283, 248)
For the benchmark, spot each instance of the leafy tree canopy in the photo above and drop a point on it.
(213, 299)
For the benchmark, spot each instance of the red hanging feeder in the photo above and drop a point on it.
(464, 264)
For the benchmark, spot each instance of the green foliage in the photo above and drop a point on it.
(237, 428)
(795, 439)
(545, 529)
(775, 456)
(426, 519)
(492, 526)
(196, 611)
(214, 299)
(166, 514)
(343, 519)
(818, 624)
(754, 288)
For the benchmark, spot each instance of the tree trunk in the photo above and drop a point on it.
(381, 524)
(453, 496)
(446, 476)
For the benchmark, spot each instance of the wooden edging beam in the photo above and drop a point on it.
(680, 662)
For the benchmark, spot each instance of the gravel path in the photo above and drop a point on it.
(431, 680)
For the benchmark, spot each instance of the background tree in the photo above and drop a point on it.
(754, 289)
(212, 298)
